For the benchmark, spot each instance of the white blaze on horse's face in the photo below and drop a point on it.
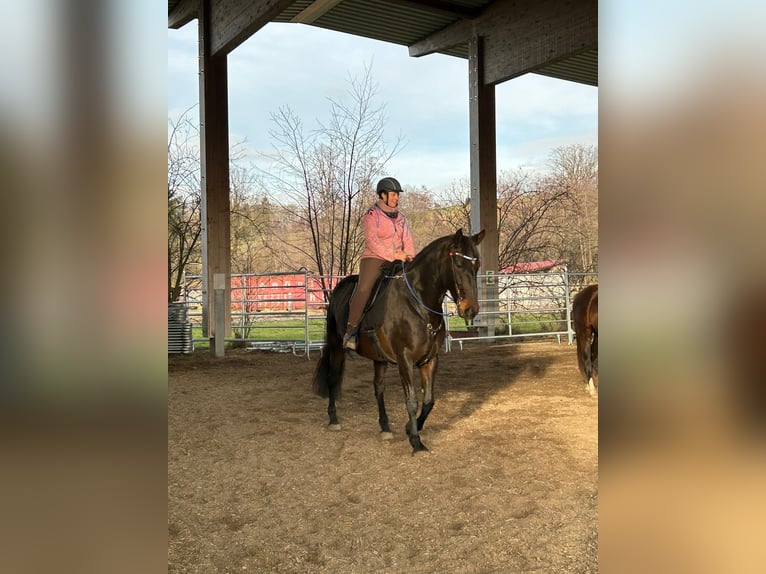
(465, 265)
(468, 307)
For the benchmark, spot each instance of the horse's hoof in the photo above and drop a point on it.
(421, 451)
(386, 435)
(333, 427)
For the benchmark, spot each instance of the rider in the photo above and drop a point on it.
(386, 238)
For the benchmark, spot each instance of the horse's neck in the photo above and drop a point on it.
(427, 286)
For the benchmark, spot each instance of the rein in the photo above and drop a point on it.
(415, 295)
(454, 279)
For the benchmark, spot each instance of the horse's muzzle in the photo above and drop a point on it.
(468, 309)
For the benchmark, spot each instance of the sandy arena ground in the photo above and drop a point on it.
(256, 482)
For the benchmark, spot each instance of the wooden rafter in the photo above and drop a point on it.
(314, 11)
(441, 7)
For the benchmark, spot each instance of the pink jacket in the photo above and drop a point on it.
(384, 236)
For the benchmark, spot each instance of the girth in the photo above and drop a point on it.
(433, 350)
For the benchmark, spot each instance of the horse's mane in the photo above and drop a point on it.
(432, 248)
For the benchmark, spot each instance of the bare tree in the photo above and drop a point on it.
(527, 208)
(250, 222)
(323, 178)
(184, 227)
(575, 168)
(249, 218)
(423, 215)
(526, 214)
(455, 211)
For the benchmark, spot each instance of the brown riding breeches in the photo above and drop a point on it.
(369, 271)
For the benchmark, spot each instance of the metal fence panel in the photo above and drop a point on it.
(179, 329)
(286, 311)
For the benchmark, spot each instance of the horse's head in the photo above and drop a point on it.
(464, 262)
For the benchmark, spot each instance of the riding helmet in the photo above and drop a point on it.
(388, 184)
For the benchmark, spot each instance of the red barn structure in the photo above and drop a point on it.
(275, 292)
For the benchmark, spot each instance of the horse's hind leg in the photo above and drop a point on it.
(427, 375)
(333, 425)
(338, 361)
(380, 387)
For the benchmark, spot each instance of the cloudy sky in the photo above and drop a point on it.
(426, 98)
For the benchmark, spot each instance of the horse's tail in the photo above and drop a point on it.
(328, 375)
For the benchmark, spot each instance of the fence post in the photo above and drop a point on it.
(567, 299)
(306, 304)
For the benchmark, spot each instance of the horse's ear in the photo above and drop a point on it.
(458, 234)
(478, 237)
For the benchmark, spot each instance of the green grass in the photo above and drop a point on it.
(293, 329)
(521, 323)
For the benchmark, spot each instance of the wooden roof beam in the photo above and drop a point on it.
(234, 21)
(449, 37)
(440, 7)
(183, 13)
(519, 38)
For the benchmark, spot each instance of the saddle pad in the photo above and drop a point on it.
(373, 315)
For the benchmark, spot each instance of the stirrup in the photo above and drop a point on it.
(349, 341)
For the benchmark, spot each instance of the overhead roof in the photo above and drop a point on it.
(411, 23)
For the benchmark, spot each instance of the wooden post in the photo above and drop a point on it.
(483, 180)
(219, 302)
(214, 148)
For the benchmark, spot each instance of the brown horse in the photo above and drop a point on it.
(405, 327)
(585, 318)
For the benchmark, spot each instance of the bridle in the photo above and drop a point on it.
(458, 291)
(454, 272)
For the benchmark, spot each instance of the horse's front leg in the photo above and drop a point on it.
(584, 358)
(411, 400)
(380, 386)
(427, 375)
(593, 364)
